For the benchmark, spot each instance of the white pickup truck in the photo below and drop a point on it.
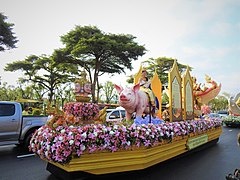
(16, 128)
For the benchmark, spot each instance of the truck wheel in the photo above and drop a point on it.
(27, 140)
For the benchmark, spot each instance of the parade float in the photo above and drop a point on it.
(233, 119)
(78, 142)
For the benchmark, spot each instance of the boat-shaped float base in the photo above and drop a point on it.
(136, 159)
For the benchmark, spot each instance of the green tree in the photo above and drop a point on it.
(7, 38)
(64, 93)
(108, 91)
(98, 52)
(44, 72)
(11, 93)
(30, 91)
(218, 103)
(39, 91)
(8, 92)
(162, 66)
(165, 98)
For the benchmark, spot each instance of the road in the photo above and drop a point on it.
(213, 163)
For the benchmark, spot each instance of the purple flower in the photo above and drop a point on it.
(59, 144)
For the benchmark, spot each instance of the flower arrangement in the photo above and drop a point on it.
(231, 118)
(60, 144)
(231, 121)
(83, 111)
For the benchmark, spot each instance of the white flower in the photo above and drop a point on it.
(60, 138)
(115, 126)
(71, 142)
(149, 130)
(111, 132)
(71, 126)
(105, 145)
(95, 134)
(84, 134)
(48, 147)
(104, 129)
(128, 143)
(63, 131)
(147, 133)
(82, 147)
(70, 133)
(46, 154)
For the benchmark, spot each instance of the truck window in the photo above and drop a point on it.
(114, 115)
(7, 109)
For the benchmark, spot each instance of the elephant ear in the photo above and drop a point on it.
(118, 88)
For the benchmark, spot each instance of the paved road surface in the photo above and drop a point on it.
(213, 163)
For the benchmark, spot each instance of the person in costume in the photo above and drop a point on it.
(145, 86)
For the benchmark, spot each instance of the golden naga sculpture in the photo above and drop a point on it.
(208, 92)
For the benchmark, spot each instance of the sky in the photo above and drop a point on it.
(204, 34)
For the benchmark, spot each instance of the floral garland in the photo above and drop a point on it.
(60, 144)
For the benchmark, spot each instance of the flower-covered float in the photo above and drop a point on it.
(233, 119)
(78, 140)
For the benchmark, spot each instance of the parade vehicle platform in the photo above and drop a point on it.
(135, 159)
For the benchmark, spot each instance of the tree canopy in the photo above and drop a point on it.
(219, 103)
(53, 76)
(7, 38)
(108, 91)
(98, 52)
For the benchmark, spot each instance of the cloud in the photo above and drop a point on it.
(231, 82)
(221, 29)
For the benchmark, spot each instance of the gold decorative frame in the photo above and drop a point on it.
(187, 93)
(175, 93)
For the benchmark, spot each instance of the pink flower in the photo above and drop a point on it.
(76, 139)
